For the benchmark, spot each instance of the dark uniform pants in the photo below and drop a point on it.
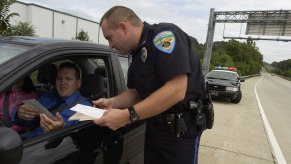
(163, 147)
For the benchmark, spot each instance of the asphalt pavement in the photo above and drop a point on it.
(238, 135)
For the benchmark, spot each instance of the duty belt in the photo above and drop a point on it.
(179, 122)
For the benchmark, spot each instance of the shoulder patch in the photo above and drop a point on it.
(165, 41)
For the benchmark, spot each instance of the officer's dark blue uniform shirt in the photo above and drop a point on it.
(164, 51)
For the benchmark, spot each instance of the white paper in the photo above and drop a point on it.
(88, 110)
(80, 117)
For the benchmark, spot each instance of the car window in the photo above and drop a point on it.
(98, 62)
(100, 67)
(94, 81)
(124, 66)
(9, 51)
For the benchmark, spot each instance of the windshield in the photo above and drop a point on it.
(9, 51)
(222, 75)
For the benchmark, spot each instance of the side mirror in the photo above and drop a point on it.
(10, 146)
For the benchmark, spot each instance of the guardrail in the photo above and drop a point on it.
(249, 76)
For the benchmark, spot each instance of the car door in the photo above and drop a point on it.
(134, 139)
(81, 143)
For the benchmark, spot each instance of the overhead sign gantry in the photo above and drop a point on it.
(265, 22)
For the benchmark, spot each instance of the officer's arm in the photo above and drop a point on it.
(165, 97)
(126, 99)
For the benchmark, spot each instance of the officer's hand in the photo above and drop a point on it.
(48, 125)
(103, 103)
(26, 112)
(113, 118)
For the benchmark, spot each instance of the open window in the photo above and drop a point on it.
(94, 76)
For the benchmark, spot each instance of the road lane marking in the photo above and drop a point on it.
(276, 151)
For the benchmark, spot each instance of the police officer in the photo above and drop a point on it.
(164, 80)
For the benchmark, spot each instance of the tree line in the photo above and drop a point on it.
(282, 68)
(245, 56)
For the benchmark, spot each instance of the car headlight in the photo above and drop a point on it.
(232, 88)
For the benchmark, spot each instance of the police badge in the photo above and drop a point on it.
(144, 54)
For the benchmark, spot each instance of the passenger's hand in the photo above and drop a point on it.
(48, 125)
(26, 112)
(113, 118)
(103, 103)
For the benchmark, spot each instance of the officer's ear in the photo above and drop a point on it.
(123, 27)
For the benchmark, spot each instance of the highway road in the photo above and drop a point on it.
(239, 134)
(275, 97)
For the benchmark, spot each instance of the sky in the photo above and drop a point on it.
(190, 15)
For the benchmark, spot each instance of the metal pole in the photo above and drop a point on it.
(209, 42)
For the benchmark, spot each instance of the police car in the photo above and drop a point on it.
(225, 84)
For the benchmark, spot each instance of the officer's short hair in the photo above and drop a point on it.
(72, 66)
(120, 13)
